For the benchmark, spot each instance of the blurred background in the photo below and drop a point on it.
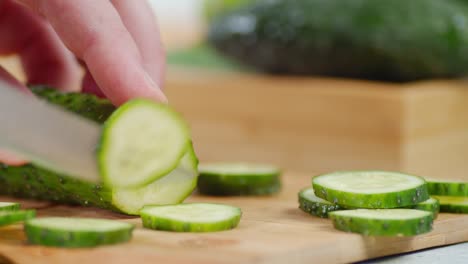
(321, 85)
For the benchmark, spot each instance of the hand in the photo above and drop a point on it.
(117, 41)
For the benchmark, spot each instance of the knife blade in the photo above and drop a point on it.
(48, 136)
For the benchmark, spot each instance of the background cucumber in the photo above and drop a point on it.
(397, 40)
(11, 217)
(383, 222)
(310, 203)
(453, 204)
(370, 189)
(30, 181)
(194, 217)
(238, 179)
(447, 188)
(76, 232)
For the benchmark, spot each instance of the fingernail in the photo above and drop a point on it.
(151, 83)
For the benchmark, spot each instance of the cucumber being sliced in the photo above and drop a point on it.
(310, 203)
(453, 204)
(371, 189)
(194, 217)
(140, 143)
(171, 189)
(31, 181)
(447, 188)
(7, 206)
(76, 232)
(238, 179)
(383, 222)
(11, 217)
(431, 205)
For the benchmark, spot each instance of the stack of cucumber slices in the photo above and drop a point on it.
(372, 203)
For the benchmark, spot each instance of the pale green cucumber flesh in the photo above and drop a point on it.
(453, 204)
(76, 232)
(8, 206)
(231, 179)
(141, 142)
(431, 205)
(447, 188)
(383, 222)
(171, 189)
(370, 189)
(310, 203)
(191, 217)
(12, 217)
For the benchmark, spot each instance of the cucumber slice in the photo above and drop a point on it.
(431, 205)
(11, 217)
(171, 189)
(141, 142)
(314, 205)
(76, 232)
(447, 188)
(453, 204)
(7, 206)
(383, 222)
(195, 217)
(238, 179)
(371, 189)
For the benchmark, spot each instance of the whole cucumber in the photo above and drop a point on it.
(396, 40)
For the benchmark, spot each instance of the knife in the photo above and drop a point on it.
(48, 136)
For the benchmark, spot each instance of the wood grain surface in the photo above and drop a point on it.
(272, 230)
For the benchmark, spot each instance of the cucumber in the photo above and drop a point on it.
(31, 181)
(431, 205)
(238, 179)
(371, 189)
(192, 217)
(453, 204)
(447, 188)
(11, 217)
(6, 206)
(85, 105)
(76, 232)
(159, 139)
(383, 222)
(310, 203)
(171, 189)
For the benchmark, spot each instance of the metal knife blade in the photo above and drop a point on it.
(47, 135)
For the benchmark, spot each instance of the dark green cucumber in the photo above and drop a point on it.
(85, 105)
(224, 179)
(447, 188)
(453, 204)
(11, 217)
(195, 217)
(431, 205)
(7, 206)
(76, 232)
(30, 181)
(310, 203)
(397, 40)
(370, 189)
(383, 222)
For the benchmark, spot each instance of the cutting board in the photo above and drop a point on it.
(272, 230)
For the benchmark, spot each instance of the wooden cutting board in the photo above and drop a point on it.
(272, 230)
